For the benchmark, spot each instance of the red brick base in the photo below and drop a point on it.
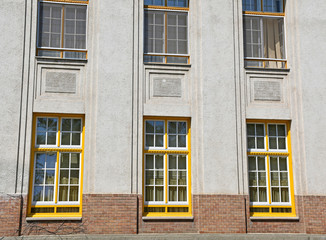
(122, 214)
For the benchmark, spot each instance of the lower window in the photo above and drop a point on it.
(56, 166)
(270, 168)
(167, 167)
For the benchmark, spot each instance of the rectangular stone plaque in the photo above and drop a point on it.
(267, 91)
(167, 87)
(60, 82)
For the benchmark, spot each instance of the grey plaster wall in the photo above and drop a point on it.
(11, 45)
(312, 37)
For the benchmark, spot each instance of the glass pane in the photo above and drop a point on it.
(274, 179)
(172, 46)
(182, 178)
(272, 130)
(74, 177)
(253, 194)
(260, 130)
(262, 195)
(261, 163)
(52, 124)
(172, 162)
(284, 179)
(281, 130)
(149, 178)
(81, 27)
(74, 160)
(272, 143)
(173, 194)
(252, 163)
(281, 143)
(273, 6)
(260, 143)
(182, 162)
(159, 162)
(251, 5)
(64, 177)
(64, 163)
(40, 160)
(66, 124)
(38, 193)
(250, 129)
(76, 139)
(182, 127)
(52, 138)
(182, 141)
(41, 124)
(182, 192)
(172, 140)
(40, 138)
(172, 127)
(159, 194)
(159, 127)
(81, 13)
(182, 47)
(283, 164)
(55, 40)
(48, 194)
(158, 140)
(51, 160)
(252, 179)
(173, 177)
(182, 33)
(262, 179)
(73, 194)
(284, 195)
(158, 46)
(63, 193)
(159, 177)
(39, 177)
(149, 140)
(149, 127)
(49, 177)
(149, 162)
(274, 166)
(159, 32)
(275, 195)
(183, 60)
(149, 194)
(251, 142)
(65, 139)
(172, 32)
(76, 125)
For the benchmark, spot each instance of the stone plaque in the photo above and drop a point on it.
(267, 91)
(167, 87)
(60, 82)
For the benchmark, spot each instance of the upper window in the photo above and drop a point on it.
(167, 167)
(263, 31)
(62, 29)
(270, 169)
(57, 156)
(166, 31)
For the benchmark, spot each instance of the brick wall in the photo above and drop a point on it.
(122, 213)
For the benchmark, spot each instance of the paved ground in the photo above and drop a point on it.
(176, 236)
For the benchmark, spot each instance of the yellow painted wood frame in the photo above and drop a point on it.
(166, 151)
(58, 150)
(268, 153)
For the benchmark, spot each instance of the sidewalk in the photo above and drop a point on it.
(176, 236)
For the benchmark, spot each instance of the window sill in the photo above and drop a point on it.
(31, 219)
(168, 218)
(259, 69)
(275, 218)
(61, 60)
(168, 64)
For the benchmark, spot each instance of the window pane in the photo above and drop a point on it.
(262, 195)
(281, 143)
(74, 177)
(251, 142)
(252, 163)
(159, 177)
(262, 179)
(149, 178)
(159, 127)
(149, 126)
(52, 124)
(52, 138)
(51, 160)
(172, 162)
(284, 179)
(149, 196)
(283, 164)
(172, 141)
(253, 194)
(182, 178)
(40, 138)
(260, 143)
(182, 141)
(63, 193)
(49, 179)
(64, 177)
(65, 140)
(260, 129)
(273, 6)
(281, 130)
(158, 140)
(159, 162)
(173, 177)
(73, 194)
(251, 5)
(182, 162)
(41, 124)
(159, 194)
(284, 195)
(272, 143)
(173, 194)
(76, 139)
(172, 46)
(261, 163)
(40, 160)
(149, 140)
(274, 179)
(182, 192)
(64, 163)
(39, 177)
(274, 166)
(182, 60)
(252, 179)
(81, 13)
(275, 195)
(38, 193)
(149, 162)
(75, 160)
(48, 194)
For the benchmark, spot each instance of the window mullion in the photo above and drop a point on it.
(62, 29)
(166, 177)
(166, 34)
(57, 178)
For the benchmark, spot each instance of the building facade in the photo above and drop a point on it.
(162, 116)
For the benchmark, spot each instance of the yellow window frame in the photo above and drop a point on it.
(57, 150)
(61, 49)
(167, 151)
(165, 55)
(267, 153)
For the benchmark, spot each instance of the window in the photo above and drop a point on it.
(56, 166)
(263, 31)
(167, 167)
(166, 31)
(62, 29)
(270, 168)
